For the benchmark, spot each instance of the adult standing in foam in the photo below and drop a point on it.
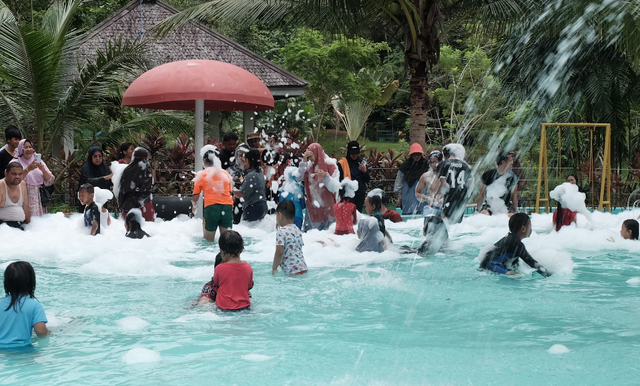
(237, 173)
(496, 179)
(252, 192)
(136, 186)
(455, 182)
(14, 205)
(13, 137)
(321, 183)
(94, 171)
(228, 149)
(407, 179)
(355, 168)
(37, 174)
(426, 184)
(216, 185)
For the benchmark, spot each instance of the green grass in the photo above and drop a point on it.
(330, 144)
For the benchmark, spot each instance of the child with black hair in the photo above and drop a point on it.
(373, 206)
(19, 310)
(289, 242)
(630, 229)
(233, 278)
(346, 214)
(503, 258)
(133, 226)
(91, 211)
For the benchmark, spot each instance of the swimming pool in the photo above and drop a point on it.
(120, 311)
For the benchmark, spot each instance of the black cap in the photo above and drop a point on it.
(353, 147)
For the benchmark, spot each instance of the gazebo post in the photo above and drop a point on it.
(248, 123)
(214, 120)
(199, 145)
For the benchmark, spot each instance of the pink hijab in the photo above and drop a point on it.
(34, 177)
(316, 193)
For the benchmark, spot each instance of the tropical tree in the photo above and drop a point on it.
(42, 87)
(418, 26)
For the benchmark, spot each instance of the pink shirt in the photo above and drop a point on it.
(234, 282)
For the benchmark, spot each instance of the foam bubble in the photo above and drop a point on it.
(558, 349)
(141, 355)
(55, 321)
(132, 323)
(256, 357)
(633, 280)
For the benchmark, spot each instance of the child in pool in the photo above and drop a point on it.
(132, 224)
(289, 242)
(630, 229)
(373, 205)
(503, 258)
(346, 215)
(233, 278)
(19, 311)
(91, 211)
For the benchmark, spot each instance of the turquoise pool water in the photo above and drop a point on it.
(120, 310)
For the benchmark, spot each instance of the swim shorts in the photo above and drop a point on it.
(209, 291)
(218, 215)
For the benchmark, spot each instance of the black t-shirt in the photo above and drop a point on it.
(504, 255)
(92, 213)
(225, 155)
(5, 158)
(510, 182)
(459, 180)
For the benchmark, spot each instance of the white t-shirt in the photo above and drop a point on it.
(290, 237)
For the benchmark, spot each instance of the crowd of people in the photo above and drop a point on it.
(238, 182)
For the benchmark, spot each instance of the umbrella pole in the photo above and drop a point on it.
(199, 145)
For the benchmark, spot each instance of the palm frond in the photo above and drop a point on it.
(9, 112)
(171, 123)
(58, 18)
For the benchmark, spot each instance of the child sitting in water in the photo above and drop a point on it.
(630, 229)
(133, 226)
(233, 278)
(101, 196)
(289, 242)
(371, 240)
(373, 205)
(346, 214)
(19, 311)
(503, 258)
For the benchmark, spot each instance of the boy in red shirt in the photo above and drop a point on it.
(232, 279)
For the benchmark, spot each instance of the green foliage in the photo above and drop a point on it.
(332, 66)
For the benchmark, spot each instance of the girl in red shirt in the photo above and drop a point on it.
(233, 278)
(346, 215)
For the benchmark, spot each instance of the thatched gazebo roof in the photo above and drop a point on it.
(194, 41)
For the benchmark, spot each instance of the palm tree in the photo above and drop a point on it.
(42, 86)
(415, 25)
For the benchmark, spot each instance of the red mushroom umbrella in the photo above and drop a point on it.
(198, 85)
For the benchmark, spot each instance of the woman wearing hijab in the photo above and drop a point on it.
(321, 183)
(136, 184)
(37, 174)
(95, 171)
(408, 176)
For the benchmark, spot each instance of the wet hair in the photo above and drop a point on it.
(230, 136)
(87, 187)
(19, 281)
(218, 260)
(11, 165)
(123, 148)
(437, 154)
(253, 156)
(502, 156)
(633, 226)
(341, 194)
(133, 223)
(559, 217)
(12, 132)
(376, 203)
(231, 242)
(206, 160)
(287, 208)
(141, 153)
(517, 221)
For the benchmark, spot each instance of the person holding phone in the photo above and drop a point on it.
(355, 168)
(36, 174)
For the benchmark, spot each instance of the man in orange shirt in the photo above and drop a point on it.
(216, 185)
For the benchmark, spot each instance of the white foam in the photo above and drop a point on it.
(558, 349)
(55, 321)
(132, 323)
(256, 357)
(141, 355)
(633, 280)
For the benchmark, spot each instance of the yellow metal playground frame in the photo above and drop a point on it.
(606, 163)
